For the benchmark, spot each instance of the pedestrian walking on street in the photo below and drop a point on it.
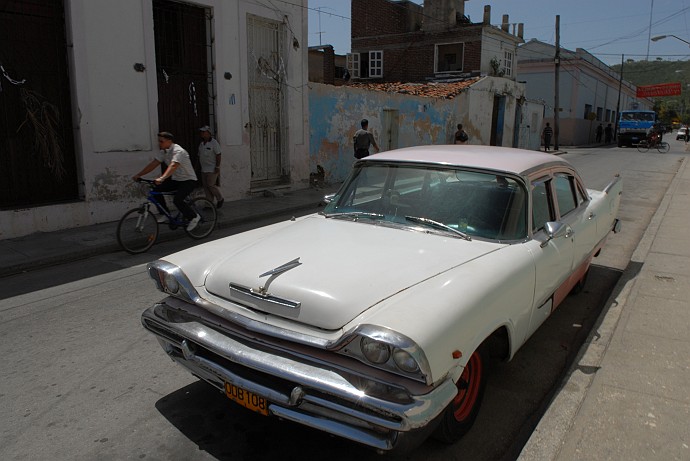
(209, 157)
(546, 135)
(608, 134)
(600, 131)
(363, 139)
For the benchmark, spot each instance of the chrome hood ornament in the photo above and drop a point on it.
(262, 293)
(285, 267)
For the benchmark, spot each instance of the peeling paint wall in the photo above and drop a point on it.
(335, 114)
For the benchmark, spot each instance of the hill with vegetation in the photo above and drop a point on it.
(671, 109)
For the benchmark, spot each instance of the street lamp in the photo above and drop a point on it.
(661, 37)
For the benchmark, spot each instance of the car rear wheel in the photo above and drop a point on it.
(460, 414)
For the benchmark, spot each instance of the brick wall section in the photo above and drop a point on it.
(328, 65)
(408, 56)
(377, 17)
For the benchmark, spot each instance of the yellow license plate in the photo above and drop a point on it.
(246, 399)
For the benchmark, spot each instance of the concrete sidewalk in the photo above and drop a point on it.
(48, 248)
(627, 396)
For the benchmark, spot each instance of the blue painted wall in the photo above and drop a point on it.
(335, 113)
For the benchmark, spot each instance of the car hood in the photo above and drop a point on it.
(343, 268)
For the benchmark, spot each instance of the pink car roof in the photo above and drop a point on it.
(506, 159)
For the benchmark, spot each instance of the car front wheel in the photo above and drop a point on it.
(460, 414)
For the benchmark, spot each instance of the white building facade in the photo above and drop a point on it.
(137, 67)
(589, 90)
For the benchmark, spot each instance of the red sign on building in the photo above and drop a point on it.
(655, 91)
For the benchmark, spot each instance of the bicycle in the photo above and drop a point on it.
(661, 146)
(137, 230)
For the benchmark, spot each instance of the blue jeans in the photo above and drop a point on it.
(182, 190)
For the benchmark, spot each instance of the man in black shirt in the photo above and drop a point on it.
(547, 134)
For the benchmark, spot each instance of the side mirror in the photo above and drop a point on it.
(328, 198)
(556, 229)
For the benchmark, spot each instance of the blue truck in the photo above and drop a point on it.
(634, 126)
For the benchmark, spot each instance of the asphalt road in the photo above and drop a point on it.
(82, 380)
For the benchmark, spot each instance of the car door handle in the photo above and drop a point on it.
(592, 216)
(569, 232)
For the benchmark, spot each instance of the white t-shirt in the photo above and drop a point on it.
(207, 155)
(176, 154)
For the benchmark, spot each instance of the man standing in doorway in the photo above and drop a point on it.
(547, 134)
(209, 157)
(363, 139)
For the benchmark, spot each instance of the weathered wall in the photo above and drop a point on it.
(335, 113)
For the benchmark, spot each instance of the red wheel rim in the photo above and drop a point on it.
(468, 388)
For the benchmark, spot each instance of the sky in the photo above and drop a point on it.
(608, 29)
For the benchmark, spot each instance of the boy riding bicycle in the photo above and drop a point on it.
(655, 135)
(181, 174)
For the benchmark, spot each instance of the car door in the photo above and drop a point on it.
(553, 258)
(574, 210)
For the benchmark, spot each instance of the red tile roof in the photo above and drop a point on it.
(442, 90)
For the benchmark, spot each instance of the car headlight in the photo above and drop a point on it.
(375, 351)
(170, 283)
(405, 361)
(171, 280)
(387, 350)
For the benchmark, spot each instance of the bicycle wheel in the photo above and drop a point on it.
(209, 216)
(643, 146)
(137, 231)
(663, 147)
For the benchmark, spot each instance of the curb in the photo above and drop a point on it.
(549, 436)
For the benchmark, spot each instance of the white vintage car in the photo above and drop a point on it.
(375, 319)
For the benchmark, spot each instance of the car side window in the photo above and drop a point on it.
(408, 180)
(565, 193)
(542, 211)
(370, 185)
(579, 195)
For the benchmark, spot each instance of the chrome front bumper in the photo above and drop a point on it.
(297, 389)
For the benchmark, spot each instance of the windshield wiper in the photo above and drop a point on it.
(355, 215)
(438, 225)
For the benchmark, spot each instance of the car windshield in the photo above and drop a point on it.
(639, 116)
(476, 203)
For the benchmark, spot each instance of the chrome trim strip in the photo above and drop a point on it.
(336, 428)
(610, 185)
(306, 378)
(250, 296)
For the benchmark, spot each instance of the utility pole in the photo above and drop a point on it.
(649, 38)
(618, 104)
(556, 99)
